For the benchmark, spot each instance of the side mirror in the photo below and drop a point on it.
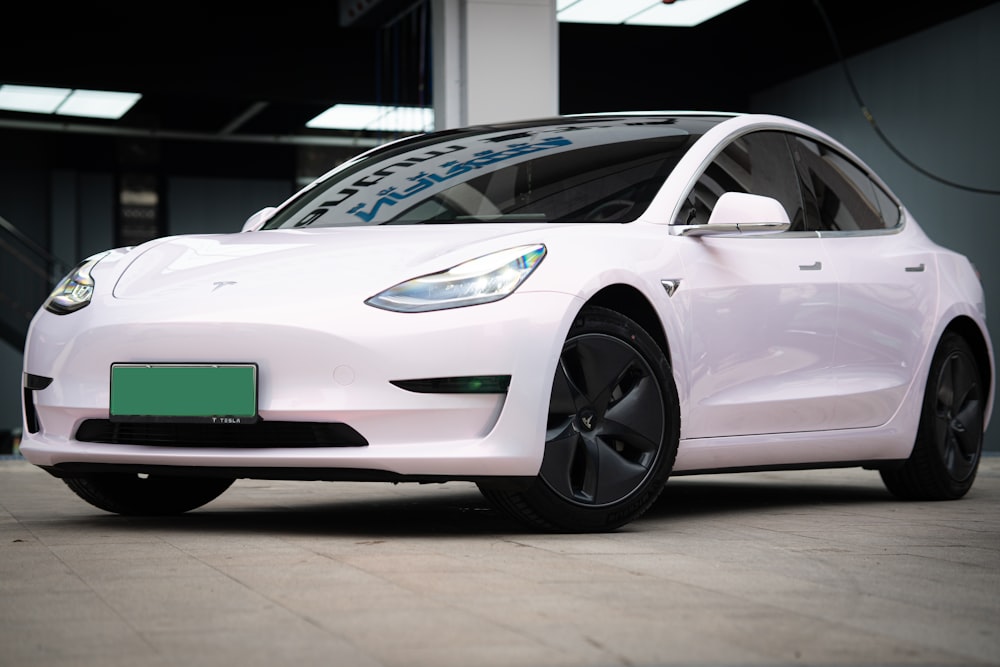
(741, 214)
(257, 220)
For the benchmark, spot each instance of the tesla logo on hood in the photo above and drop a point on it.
(222, 283)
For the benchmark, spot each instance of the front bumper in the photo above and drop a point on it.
(314, 367)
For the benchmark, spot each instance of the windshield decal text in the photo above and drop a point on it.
(423, 181)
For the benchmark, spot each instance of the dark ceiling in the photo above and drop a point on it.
(268, 70)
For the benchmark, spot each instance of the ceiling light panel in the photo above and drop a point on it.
(66, 102)
(679, 13)
(406, 119)
(98, 104)
(603, 11)
(683, 13)
(345, 117)
(373, 118)
(31, 99)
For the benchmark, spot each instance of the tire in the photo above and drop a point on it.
(155, 495)
(613, 427)
(949, 441)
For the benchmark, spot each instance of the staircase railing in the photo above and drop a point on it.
(28, 272)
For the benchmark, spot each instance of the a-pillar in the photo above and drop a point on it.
(494, 60)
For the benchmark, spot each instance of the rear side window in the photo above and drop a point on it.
(838, 195)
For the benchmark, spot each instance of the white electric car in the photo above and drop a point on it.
(564, 311)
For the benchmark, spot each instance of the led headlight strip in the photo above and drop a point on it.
(75, 290)
(482, 280)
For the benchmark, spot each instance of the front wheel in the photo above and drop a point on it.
(613, 427)
(152, 495)
(949, 440)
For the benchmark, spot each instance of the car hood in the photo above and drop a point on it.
(369, 259)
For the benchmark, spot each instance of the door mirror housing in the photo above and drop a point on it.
(741, 214)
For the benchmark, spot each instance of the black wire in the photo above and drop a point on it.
(871, 118)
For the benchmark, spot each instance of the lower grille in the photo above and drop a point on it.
(260, 434)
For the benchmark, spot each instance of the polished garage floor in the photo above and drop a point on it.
(818, 568)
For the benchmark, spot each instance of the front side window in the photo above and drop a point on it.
(759, 163)
(572, 170)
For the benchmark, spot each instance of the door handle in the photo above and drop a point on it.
(816, 266)
(915, 269)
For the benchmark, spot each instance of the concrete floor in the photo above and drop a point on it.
(817, 568)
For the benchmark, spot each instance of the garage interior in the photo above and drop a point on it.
(772, 569)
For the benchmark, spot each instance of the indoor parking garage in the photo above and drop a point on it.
(522, 333)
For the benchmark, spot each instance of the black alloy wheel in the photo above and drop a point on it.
(612, 430)
(949, 440)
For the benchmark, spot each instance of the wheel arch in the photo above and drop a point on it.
(967, 328)
(633, 304)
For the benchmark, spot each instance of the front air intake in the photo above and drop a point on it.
(260, 434)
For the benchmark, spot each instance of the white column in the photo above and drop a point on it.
(494, 60)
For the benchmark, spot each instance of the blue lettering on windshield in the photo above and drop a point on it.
(392, 195)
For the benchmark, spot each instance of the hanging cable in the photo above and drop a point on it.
(871, 118)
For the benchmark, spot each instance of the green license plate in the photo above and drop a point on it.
(214, 393)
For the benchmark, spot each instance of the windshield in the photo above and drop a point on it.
(595, 169)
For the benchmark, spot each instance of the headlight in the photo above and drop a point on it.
(481, 280)
(75, 290)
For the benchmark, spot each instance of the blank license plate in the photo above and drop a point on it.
(224, 394)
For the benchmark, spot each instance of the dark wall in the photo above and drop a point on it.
(934, 95)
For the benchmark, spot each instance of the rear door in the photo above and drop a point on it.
(888, 284)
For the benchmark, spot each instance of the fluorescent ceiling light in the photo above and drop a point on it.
(373, 118)
(98, 104)
(602, 11)
(66, 102)
(680, 13)
(32, 99)
(684, 13)
(345, 117)
(407, 119)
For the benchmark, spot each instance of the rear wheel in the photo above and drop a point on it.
(949, 440)
(613, 426)
(152, 495)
